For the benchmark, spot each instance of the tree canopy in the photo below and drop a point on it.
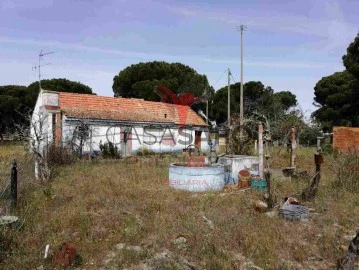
(256, 98)
(16, 100)
(351, 59)
(61, 85)
(12, 100)
(337, 95)
(140, 80)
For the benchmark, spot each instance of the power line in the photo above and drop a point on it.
(233, 78)
(219, 78)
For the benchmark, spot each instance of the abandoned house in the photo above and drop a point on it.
(84, 121)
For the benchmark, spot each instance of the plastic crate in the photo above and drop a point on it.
(294, 212)
(259, 184)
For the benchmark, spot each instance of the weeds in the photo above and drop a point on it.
(99, 205)
(143, 151)
(346, 169)
(59, 156)
(109, 150)
(6, 238)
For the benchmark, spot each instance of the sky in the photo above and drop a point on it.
(288, 45)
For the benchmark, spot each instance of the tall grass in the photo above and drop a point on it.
(345, 166)
(98, 205)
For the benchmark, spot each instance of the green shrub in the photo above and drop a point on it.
(109, 150)
(143, 151)
(327, 149)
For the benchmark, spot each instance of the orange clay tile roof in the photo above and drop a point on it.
(126, 109)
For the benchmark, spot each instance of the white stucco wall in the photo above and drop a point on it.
(156, 140)
(40, 126)
(164, 140)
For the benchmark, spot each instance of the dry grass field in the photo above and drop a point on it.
(123, 215)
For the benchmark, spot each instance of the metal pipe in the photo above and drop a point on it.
(293, 148)
(13, 185)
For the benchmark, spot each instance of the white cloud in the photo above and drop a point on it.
(332, 29)
(273, 64)
(166, 57)
(72, 46)
(24, 4)
(8, 4)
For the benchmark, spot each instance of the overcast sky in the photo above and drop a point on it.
(288, 45)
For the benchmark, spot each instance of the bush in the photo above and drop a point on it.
(109, 150)
(308, 135)
(143, 151)
(58, 155)
(240, 145)
(327, 149)
(346, 169)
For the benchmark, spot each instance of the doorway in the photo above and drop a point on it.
(197, 139)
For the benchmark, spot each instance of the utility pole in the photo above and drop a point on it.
(41, 54)
(207, 111)
(229, 99)
(241, 28)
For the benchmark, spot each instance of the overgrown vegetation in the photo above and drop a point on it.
(59, 155)
(237, 144)
(99, 205)
(109, 150)
(6, 238)
(345, 167)
(143, 151)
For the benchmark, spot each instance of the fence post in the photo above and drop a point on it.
(13, 185)
(312, 189)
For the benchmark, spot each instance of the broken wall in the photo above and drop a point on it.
(345, 138)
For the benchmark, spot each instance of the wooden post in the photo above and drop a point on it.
(318, 159)
(269, 198)
(311, 191)
(13, 185)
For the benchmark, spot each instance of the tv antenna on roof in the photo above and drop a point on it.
(41, 54)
